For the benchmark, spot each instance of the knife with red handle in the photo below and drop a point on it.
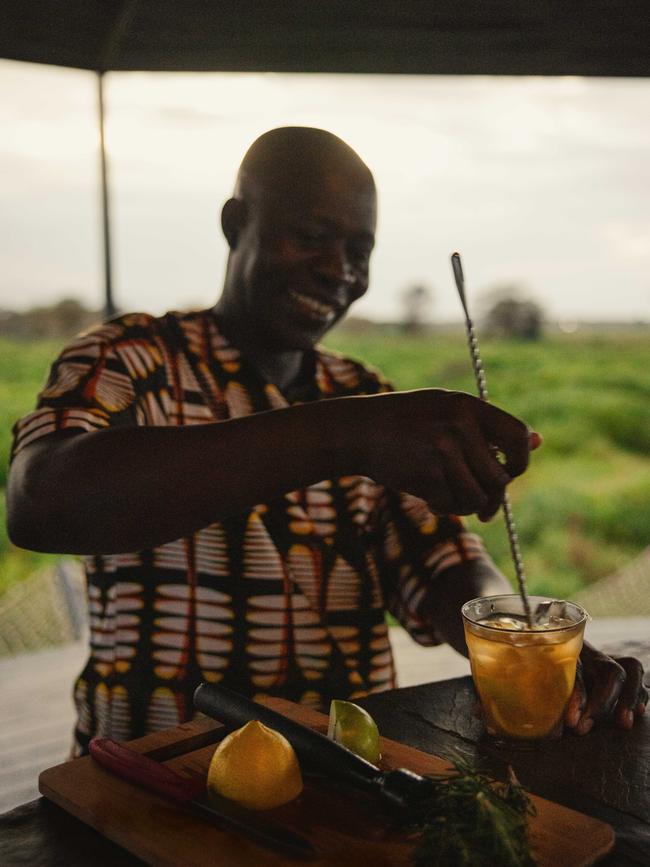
(191, 793)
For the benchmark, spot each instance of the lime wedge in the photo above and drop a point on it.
(354, 728)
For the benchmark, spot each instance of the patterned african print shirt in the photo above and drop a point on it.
(287, 599)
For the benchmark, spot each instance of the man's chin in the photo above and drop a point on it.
(288, 336)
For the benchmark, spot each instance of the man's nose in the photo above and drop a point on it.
(334, 264)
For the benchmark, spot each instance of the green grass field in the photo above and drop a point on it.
(23, 369)
(582, 509)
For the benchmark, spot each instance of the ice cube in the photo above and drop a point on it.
(547, 610)
(503, 621)
(553, 623)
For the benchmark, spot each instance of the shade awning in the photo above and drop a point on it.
(499, 37)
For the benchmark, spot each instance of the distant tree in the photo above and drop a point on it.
(355, 325)
(70, 316)
(416, 300)
(509, 313)
(62, 319)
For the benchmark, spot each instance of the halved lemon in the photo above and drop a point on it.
(256, 767)
(354, 728)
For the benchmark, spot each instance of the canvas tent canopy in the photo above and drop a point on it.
(452, 37)
(445, 37)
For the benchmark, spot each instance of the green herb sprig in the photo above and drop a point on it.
(472, 821)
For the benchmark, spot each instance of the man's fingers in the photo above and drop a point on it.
(614, 687)
(492, 507)
(456, 443)
(467, 492)
(489, 475)
(604, 679)
(510, 436)
(575, 706)
(577, 701)
(476, 477)
(633, 694)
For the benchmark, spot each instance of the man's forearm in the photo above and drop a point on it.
(457, 585)
(126, 489)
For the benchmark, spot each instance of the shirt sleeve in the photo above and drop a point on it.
(416, 547)
(92, 385)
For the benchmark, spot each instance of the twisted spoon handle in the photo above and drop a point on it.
(481, 382)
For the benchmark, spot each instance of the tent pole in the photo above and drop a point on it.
(109, 306)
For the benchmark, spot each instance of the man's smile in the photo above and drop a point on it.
(312, 308)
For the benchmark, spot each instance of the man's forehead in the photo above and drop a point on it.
(347, 208)
(323, 190)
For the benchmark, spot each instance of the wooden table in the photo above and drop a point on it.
(604, 774)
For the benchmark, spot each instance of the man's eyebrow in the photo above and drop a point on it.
(366, 237)
(333, 224)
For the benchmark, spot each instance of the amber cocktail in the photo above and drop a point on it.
(524, 676)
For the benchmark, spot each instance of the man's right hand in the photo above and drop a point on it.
(442, 446)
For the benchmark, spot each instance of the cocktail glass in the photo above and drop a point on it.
(524, 677)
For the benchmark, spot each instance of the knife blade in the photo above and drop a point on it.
(189, 744)
(192, 794)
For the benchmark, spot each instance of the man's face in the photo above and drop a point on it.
(303, 257)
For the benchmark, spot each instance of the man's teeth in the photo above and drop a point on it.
(324, 311)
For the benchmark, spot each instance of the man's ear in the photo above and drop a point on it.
(233, 220)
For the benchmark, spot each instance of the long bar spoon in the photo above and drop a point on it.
(481, 383)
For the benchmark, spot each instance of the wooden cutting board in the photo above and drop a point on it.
(347, 828)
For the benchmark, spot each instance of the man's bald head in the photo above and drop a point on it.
(301, 229)
(298, 155)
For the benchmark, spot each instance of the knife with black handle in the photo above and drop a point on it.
(191, 794)
(399, 788)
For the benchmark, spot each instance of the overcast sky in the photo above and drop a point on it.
(537, 181)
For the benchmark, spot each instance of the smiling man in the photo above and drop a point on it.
(250, 505)
(301, 228)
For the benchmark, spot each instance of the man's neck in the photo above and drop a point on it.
(281, 367)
